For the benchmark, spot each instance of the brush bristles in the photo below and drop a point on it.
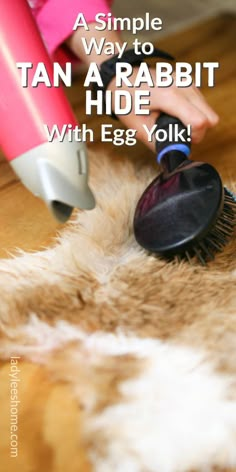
(218, 236)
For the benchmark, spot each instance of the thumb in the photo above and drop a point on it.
(143, 124)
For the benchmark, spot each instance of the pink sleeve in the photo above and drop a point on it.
(56, 18)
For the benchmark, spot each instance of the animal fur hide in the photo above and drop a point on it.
(147, 347)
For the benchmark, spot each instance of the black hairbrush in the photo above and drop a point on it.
(185, 211)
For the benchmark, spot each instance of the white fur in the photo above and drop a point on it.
(175, 415)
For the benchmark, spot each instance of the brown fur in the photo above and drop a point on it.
(145, 295)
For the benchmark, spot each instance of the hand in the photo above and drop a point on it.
(187, 104)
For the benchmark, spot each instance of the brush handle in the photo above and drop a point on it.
(173, 150)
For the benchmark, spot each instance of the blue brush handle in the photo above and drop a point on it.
(171, 154)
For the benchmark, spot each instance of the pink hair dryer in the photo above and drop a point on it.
(55, 171)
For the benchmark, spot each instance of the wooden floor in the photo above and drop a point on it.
(48, 413)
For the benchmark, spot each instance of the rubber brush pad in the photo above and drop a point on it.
(178, 210)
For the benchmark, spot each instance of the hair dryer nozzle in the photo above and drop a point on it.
(58, 173)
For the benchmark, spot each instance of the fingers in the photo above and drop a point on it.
(198, 100)
(189, 106)
(138, 122)
(179, 106)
